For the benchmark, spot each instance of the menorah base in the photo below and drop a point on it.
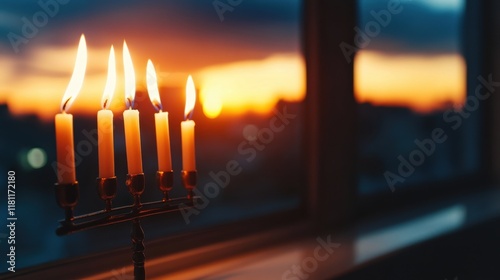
(67, 198)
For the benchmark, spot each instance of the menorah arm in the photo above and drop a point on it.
(122, 214)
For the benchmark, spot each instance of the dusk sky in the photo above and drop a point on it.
(422, 26)
(180, 37)
(246, 62)
(415, 60)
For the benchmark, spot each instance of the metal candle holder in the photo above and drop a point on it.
(67, 198)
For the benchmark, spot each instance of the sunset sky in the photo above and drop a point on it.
(260, 38)
(413, 62)
(247, 62)
(431, 82)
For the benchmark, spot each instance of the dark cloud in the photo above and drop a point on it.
(117, 18)
(417, 28)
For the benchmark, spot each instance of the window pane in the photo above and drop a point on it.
(247, 66)
(410, 84)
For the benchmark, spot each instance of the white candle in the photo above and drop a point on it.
(188, 154)
(133, 141)
(106, 145)
(65, 149)
(131, 117)
(64, 122)
(163, 141)
(187, 129)
(106, 150)
(161, 121)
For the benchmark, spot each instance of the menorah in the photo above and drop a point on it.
(66, 189)
(67, 198)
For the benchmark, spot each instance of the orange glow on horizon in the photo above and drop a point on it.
(212, 106)
(253, 85)
(234, 88)
(421, 82)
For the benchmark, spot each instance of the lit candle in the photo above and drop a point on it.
(105, 123)
(64, 122)
(161, 121)
(65, 149)
(187, 129)
(131, 117)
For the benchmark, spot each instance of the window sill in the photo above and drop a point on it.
(277, 253)
(365, 243)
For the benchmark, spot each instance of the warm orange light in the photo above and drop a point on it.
(421, 82)
(152, 84)
(252, 85)
(212, 106)
(236, 87)
(110, 82)
(190, 98)
(129, 77)
(76, 82)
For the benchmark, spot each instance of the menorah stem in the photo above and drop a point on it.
(137, 203)
(166, 196)
(108, 205)
(190, 194)
(138, 250)
(68, 214)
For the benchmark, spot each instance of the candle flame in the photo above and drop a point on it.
(109, 89)
(129, 77)
(152, 83)
(190, 98)
(76, 82)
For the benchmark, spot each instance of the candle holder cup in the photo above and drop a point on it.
(106, 187)
(67, 198)
(136, 184)
(165, 181)
(189, 182)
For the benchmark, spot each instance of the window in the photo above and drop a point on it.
(416, 123)
(249, 70)
(320, 140)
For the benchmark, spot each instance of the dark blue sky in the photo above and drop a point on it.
(423, 26)
(74, 17)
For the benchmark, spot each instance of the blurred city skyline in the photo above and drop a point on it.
(412, 54)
